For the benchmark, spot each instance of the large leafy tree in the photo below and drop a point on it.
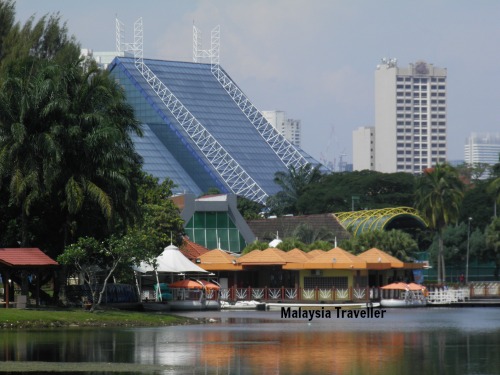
(455, 245)
(160, 222)
(293, 184)
(97, 261)
(492, 249)
(99, 163)
(7, 18)
(439, 195)
(338, 192)
(494, 190)
(45, 39)
(29, 153)
(394, 242)
(478, 204)
(67, 163)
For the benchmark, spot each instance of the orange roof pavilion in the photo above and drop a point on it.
(218, 260)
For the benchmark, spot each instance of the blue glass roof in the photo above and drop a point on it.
(159, 162)
(166, 142)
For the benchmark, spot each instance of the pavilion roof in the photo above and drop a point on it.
(270, 256)
(296, 256)
(218, 260)
(30, 257)
(191, 250)
(315, 253)
(375, 256)
(335, 258)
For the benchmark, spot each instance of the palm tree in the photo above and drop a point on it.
(29, 107)
(99, 160)
(492, 237)
(293, 184)
(494, 189)
(439, 194)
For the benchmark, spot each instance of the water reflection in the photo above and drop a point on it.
(429, 341)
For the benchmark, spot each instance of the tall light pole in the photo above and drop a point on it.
(468, 245)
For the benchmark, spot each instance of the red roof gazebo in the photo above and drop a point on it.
(31, 260)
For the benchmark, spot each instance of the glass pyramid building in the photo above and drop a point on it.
(205, 133)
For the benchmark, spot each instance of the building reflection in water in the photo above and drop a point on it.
(269, 348)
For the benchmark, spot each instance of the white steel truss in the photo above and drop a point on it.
(236, 178)
(287, 153)
(118, 34)
(212, 53)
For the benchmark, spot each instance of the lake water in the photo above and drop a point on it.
(406, 341)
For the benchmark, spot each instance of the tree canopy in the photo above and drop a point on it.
(439, 196)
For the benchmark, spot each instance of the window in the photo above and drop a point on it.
(338, 282)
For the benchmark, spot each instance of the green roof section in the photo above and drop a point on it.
(381, 219)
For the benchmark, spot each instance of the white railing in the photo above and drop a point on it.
(446, 296)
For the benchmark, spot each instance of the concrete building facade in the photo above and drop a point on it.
(363, 148)
(482, 148)
(410, 116)
(288, 128)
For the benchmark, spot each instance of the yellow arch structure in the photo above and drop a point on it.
(369, 220)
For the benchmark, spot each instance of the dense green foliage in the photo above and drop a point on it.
(70, 178)
(439, 196)
(293, 184)
(444, 195)
(394, 242)
(491, 252)
(339, 192)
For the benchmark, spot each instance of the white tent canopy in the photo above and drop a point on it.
(170, 260)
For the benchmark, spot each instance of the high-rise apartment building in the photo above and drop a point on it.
(410, 116)
(289, 128)
(363, 148)
(482, 148)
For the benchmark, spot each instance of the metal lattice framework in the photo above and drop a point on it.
(286, 152)
(367, 220)
(236, 178)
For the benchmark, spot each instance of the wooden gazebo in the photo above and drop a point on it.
(27, 261)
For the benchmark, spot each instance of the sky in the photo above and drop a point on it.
(316, 59)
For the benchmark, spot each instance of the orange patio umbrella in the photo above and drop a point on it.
(404, 286)
(194, 284)
(414, 286)
(209, 285)
(396, 286)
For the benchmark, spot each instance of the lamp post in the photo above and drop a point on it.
(467, 260)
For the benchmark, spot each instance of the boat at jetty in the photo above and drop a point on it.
(315, 306)
(194, 294)
(403, 295)
(242, 305)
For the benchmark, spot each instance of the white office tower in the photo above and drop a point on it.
(289, 128)
(482, 148)
(410, 117)
(103, 59)
(363, 148)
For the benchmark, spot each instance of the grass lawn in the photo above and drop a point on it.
(21, 318)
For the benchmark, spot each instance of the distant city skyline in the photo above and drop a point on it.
(316, 60)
